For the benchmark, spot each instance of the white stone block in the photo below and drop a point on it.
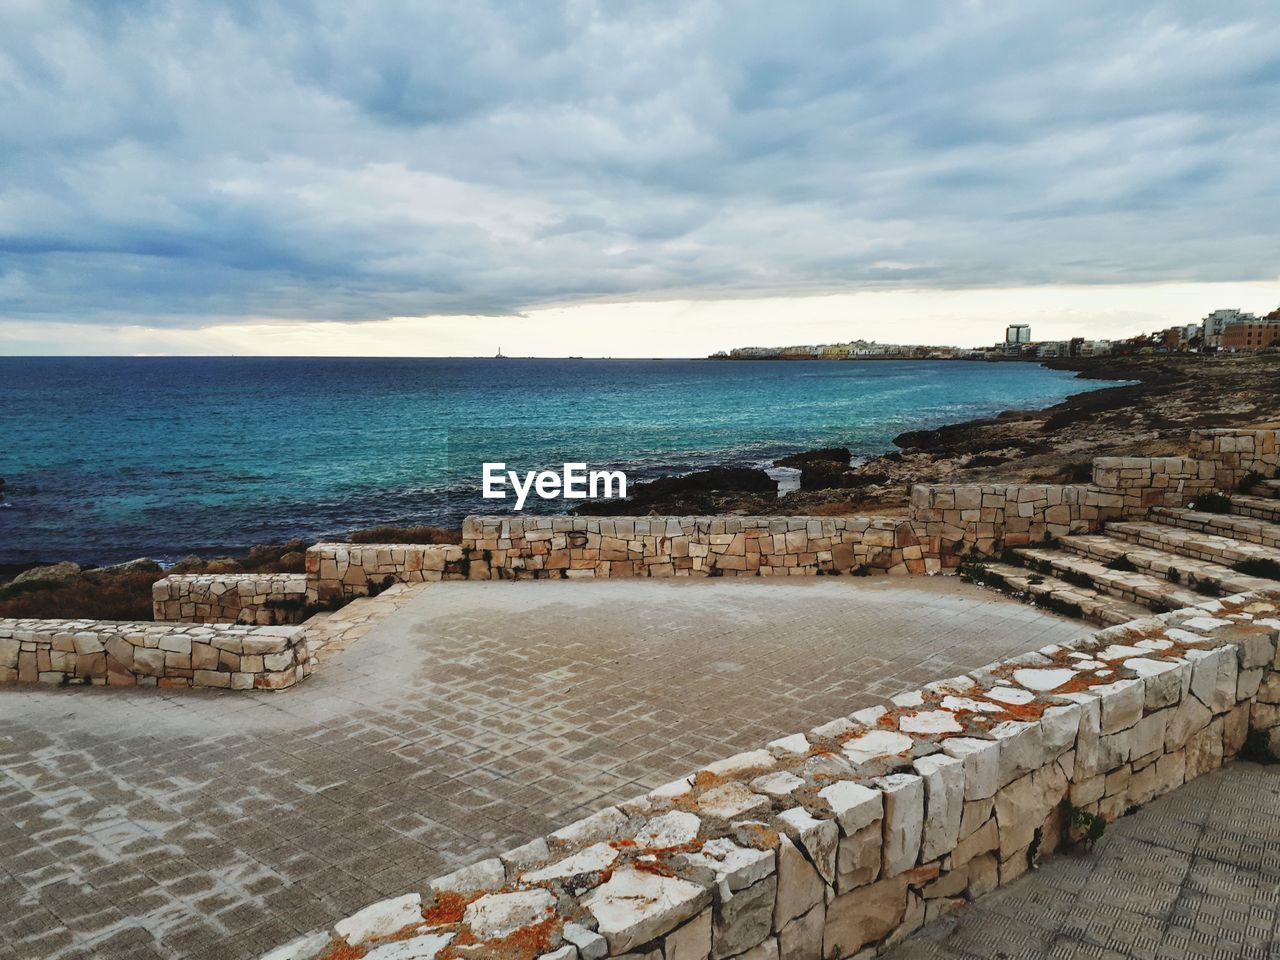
(903, 821)
(854, 805)
(499, 914)
(943, 803)
(981, 765)
(818, 839)
(380, 919)
(635, 906)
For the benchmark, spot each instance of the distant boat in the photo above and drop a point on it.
(500, 356)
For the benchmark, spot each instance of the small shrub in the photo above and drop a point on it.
(1081, 472)
(1076, 578)
(1174, 575)
(1049, 540)
(1256, 748)
(1122, 564)
(1249, 481)
(1035, 579)
(1267, 568)
(1212, 502)
(1206, 588)
(1065, 607)
(1089, 826)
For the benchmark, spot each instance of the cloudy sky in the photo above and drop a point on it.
(285, 176)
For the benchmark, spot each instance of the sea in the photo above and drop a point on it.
(108, 459)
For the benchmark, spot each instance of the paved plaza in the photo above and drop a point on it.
(1193, 874)
(204, 824)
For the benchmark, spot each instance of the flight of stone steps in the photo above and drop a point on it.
(1174, 558)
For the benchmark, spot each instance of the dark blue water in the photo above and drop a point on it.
(112, 458)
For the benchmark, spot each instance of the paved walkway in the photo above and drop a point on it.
(1193, 874)
(202, 825)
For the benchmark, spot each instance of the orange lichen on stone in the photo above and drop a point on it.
(523, 944)
(448, 908)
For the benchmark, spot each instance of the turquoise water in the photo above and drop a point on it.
(112, 458)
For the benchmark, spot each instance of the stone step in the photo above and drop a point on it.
(1172, 567)
(1227, 551)
(1259, 508)
(1156, 594)
(1087, 604)
(1222, 524)
(1267, 488)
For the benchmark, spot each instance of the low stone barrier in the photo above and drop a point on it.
(122, 653)
(344, 570)
(1136, 484)
(261, 598)
(1236, 453)
(843, 840)
(512, 547)
(955, 519)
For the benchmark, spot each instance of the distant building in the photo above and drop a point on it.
(1216, 323)
(1250, 337)
(1017, 333)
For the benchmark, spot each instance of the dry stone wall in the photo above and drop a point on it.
(152, 654)
(955, 519)
(344, 570)
(1134, 485)
(513, 547)
(261, 598)
(1235, 453)
(840, 841)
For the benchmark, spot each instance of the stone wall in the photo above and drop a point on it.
(954, 519)
(512, 547)
(1235, 453)
(344, 570)
(152, 654)
(261, 598)
(842, 840)
(1133, 485)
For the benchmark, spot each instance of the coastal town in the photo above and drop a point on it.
(1226, 331)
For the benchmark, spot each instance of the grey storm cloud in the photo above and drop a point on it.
(176, 163)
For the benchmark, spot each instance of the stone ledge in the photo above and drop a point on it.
(123, 653)
(845, 839)
(266, 599)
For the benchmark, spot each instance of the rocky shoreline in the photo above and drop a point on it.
(1170, 397)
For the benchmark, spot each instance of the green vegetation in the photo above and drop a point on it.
(1122, 564)
(1089, 826)
(1258, 568)
(1249, 481)
(1212, 502)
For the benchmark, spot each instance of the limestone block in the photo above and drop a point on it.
(425, 947)
(1023, 806)
(863, 916)
(734, 867)
(1213, 677)
(858, 859)
(1059, 727)
(1248, 680)
(1166, 680)
(744, 920)
(485, 875)
(1235, 730)
(903, 821)
(603, 825)
(817, 838)
(986, 837)
(765, 950)
(635, 906)
(692, 941)
(976, 813)
(499, 914)
(854, 805)
(799, 887)
(801, 939)
(981, 765)
(380, 919)
(1021, 748)
(1121, 703)
(1205, 749)
(733, 801)
(1189, 717)
(1148, 734)
(592, 946)
(594, 859)
(943, 778)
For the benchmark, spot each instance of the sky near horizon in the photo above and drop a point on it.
(648, 179)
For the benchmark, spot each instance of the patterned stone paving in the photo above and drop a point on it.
(202, 825)
(1193, 874)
